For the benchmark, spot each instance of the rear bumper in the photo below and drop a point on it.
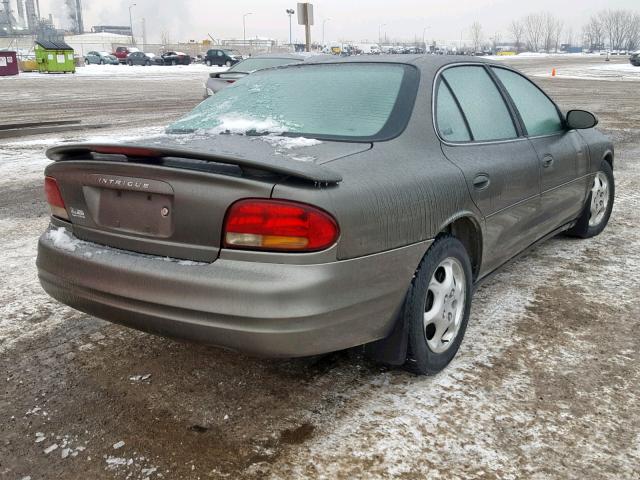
(266, 309)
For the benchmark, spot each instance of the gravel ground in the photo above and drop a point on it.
(546, 384)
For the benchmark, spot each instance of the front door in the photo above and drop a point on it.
(561, 153)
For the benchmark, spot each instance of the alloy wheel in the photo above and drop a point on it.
(599, 199)
(445, 305)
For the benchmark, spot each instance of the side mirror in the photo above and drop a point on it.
(581, 119)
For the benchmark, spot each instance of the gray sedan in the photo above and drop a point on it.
(325, 205)
(220, 80)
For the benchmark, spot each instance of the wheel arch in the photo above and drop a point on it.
(608, 157)
(466, 228)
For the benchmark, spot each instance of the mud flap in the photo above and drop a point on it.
(391, 350)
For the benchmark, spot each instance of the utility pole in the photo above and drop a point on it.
(424, 42)
(305, 17)
(323, 22)
(290, 11)
(244, 29)
(133, 39)
(144, 33)
(380, 33)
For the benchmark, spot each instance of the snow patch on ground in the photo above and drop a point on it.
(605, 72)
(150, 73)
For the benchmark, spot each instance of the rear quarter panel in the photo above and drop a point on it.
(391, 196)
(399, 192)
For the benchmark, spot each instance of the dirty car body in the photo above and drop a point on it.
(147, 240)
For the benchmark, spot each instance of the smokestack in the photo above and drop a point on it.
(79, 21)
(32, 18)
(6, 19)
(21, 10)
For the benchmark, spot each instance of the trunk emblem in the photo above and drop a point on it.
(164, 212)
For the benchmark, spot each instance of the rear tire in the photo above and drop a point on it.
(437, 306)
(130, 63)
(597, 209)
(87, 62)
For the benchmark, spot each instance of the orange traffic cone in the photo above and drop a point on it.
(553, 72)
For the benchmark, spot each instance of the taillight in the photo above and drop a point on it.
(54, 198)
(278, 225)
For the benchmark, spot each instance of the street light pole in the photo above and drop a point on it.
(380, 33)
(290, 11)
(133, 40)
(244, 29)
(323, 22)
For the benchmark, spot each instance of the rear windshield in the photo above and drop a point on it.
(253, 64)
(351, 101)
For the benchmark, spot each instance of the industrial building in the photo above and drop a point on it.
(24, 17)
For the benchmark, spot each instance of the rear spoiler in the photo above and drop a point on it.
(302, 170)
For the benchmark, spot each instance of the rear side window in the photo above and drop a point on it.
(538, 113)
(451, 124)
(481, 102)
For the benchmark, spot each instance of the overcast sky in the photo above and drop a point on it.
(356, 21)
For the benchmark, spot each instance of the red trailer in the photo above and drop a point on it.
(8, 63)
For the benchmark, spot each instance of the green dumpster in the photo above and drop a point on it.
(54, 57)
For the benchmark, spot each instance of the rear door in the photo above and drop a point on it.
(480, 135)
(561, 153)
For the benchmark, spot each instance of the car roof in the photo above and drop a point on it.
(422, 61)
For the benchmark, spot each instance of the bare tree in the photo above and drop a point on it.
(594, 33)
(569, 36)
(534, 31)
(476, 36)
(551, 31)
(619, 29)
(516, 28)
(165, 38)
(634, 33)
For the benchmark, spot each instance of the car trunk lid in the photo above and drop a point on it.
(162, 198)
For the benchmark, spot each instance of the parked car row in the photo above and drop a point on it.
(133, 56)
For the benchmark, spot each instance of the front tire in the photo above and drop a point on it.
(437, 307)
(597, 210)
(228, 63)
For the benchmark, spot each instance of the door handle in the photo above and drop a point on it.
(481, 181)
(547, 161)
